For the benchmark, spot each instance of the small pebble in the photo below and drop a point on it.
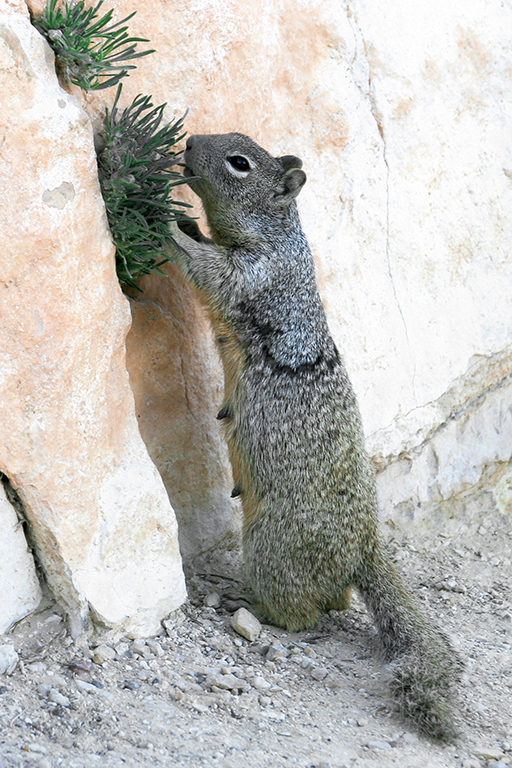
(86, 687)
(378, 745)
(132, 685)
(81, 666)
(277, 652)
(37, 666)
(155, 648)
(40, 748)
(8, 659)
(212, 600)
(103, 653)
(335, 682)
(227, 682)
(58, 698)
(488, 753)
(246, 624)
(260, 684)
(44, 762)
(319, 673)
(472, 762)
(139, 646)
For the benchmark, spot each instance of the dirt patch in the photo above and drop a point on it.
(200, 695)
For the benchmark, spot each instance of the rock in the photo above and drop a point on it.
(155, 648)
(58, 698)
(246, 624)
(103, 653)
(85, 687)
(139, 646)
(335, 682)
(21, 592)
(319, 673)
(104, 530)
(277, 652)
(176, 380)
(39, 748)
(378, 744)
(8, 659)
(271, 714)
(260, 684)
(226, 682)
(131, 685)
(81, 666)
(488, 753)
(44, 689)
(212, 600)
(173, 621)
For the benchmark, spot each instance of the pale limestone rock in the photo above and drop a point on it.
(503, 493)
(472, 433)
(20, 593)
(105, 532)
(8, 659)
(402, 114)
(176, 382)
(246, 624)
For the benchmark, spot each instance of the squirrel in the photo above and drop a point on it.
(292, 422)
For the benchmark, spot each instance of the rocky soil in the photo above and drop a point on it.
(201, 695)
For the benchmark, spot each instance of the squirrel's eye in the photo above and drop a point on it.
(239, 163)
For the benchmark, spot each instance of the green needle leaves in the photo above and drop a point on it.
(136, 175)
(90, 51)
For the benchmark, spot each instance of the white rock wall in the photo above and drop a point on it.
(20, 592)
(402, 115)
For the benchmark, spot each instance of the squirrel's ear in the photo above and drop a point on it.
(289, 186)
(290, 161)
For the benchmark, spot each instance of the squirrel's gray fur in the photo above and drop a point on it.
(292, 421)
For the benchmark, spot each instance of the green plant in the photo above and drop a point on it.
(135, 170)
(90, 51)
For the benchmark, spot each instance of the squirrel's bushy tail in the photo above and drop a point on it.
(423, 665)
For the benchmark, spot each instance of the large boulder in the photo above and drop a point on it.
(104, 530)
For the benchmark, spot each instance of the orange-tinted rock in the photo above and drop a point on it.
(105, 532)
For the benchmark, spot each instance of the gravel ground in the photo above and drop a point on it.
(200, 695)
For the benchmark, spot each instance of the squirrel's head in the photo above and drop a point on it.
(243, 188)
